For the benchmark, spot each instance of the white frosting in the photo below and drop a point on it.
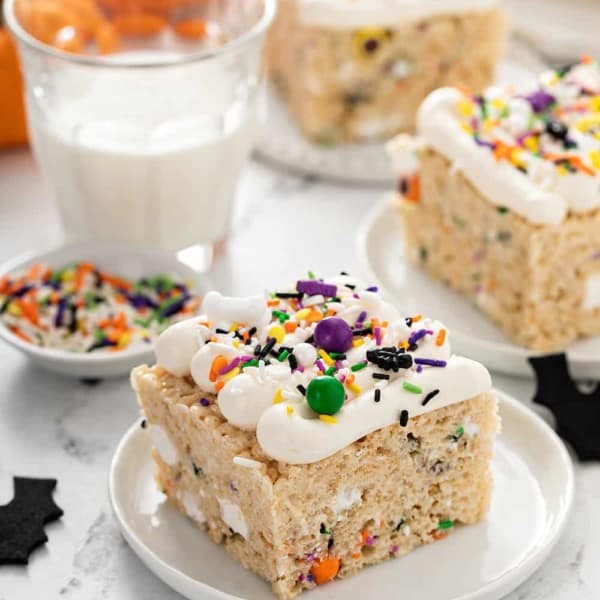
(177, 343)
(251, 311)
(500, 183)
(301, 438)
(535, 152)
(268, 397)
(232, 515)
(591, 298)
(350, 14)
(162, 442)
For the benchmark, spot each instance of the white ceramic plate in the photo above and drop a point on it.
(562, 29)
(382, 257)
(532, 496)
(128, 261)
(282, 144)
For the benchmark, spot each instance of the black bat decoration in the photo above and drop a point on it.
(577, 413)
(22, 520)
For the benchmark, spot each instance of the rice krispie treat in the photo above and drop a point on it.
(317, 430)
(357, 70)
(500, 195)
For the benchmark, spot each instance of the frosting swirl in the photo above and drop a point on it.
(315, 368)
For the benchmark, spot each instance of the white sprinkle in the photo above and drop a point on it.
(246, 462)
(318, 299)
(261, 370)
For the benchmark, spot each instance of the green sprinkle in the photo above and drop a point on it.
(330, 370)
(446, 525)
(250, 363)
(45, 300)
(283, 355)
(283, 317)
(460, 431)
(90, 301)
(311, 275)
(99, 335)
(502, 210)
(336, 354)
(324, 529)
(411, 387)
(358, 366)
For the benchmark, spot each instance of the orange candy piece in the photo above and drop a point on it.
(324, 570)
(107, 39)
(191, 29)
(219, 362)
(139, 24)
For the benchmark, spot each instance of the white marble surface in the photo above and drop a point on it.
(54, 427)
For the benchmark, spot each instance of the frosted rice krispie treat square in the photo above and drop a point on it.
(357, 70)
(500, 198)
(317, 430)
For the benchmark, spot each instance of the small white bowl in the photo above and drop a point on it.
(130, 262)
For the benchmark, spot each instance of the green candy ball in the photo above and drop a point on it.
(325, 395)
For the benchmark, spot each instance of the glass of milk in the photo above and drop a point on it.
(146, 144)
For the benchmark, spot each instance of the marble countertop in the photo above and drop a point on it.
(53, 427)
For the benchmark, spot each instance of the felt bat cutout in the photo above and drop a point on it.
(577, 413)
(22, 520)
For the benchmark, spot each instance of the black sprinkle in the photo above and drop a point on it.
(293, 362)
(252, 331)
(91, 381)
(408, 321)
(429, 397)
(323, 530)
(73, 318)
(197, 470)
(268, 347)
(330, 543)
(286, 295)
(310, 340)
(363, 331)
(219, 330)
(377, 395)
(143, 424)
(350, 286)
(401, 522)
(404, 418)
(301, 389)
(257, 350)
(343, 273)
(380, 376)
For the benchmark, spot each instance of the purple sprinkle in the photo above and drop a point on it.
(415, 336)
(309, 557)
(540, 100)
(232, 365)
(372, 288)
(320, 364)
(339, 365)
(483, 143)
(313, 288)
(377, 333)
(419, 368)
(301, 578)
(369, 540)
(361, 319)
(394, 549)
(232, 487)
(356, 296)
(430, 362)
(300, 368)
(62, 305)
(205, 402)
(310, 577)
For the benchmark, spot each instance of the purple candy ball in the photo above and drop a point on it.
(333, 335)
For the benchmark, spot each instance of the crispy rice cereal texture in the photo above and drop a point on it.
(338, 88)
(529, 279)
(378, 498)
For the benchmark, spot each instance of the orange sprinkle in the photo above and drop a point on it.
(324, 570)
(192, 29)
(119, 299)
(273, 302)
(54, 297)
(441, 337)
(116, 281)
(364, 536)
(356, 554)
(120, 321)
(20, 334)
(290, 326)
(586, 59)
(417, 318)
(218, 363)
(82, 270)
(439, 534)
(219, 386)
(413, 193)
(330, 313)
(4, 284)
(350, 379)
(314, 316)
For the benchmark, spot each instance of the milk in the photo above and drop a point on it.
(150, 158)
